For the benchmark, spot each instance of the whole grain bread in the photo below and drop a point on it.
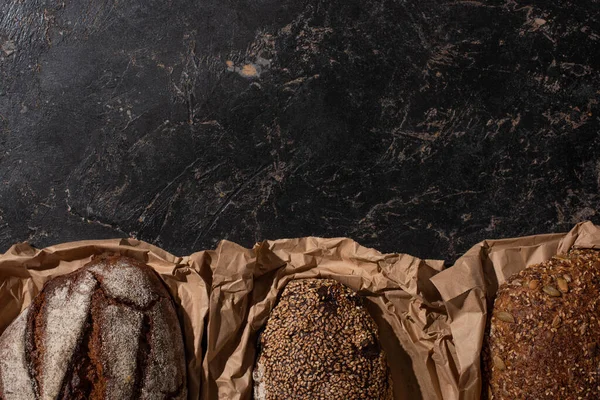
(544, 332)
(106, 331)
(320, 343)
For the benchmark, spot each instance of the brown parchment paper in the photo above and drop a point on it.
(472, 282)
(24, 270)
(408, 309)
(431, 320)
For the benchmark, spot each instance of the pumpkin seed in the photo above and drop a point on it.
(563, 286)
(551, 291)
(592, 348)
(504, 316)
(556, 322)
(499, 364)
(533, 284)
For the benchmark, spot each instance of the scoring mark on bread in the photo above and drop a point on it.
(59, 318)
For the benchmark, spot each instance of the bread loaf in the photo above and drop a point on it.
(106, 331)
(320, 343)
(545, 331)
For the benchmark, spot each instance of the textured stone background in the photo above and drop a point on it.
(410, 126)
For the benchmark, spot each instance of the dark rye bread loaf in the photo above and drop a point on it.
(320, 343)
(545, 331)
(106, 331)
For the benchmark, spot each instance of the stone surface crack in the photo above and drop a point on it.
(175, 179)
(93, 220)
(228, 201)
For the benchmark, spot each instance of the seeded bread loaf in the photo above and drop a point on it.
(106, 331)
(544, 332)
(320, 343)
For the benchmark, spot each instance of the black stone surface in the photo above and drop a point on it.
(410, 126)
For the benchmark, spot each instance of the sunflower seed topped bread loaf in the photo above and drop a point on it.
(320, 343)
(544, 332)
(106, 331)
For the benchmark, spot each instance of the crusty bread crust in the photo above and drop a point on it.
(105, 331)
(544, 332)
(320, 343)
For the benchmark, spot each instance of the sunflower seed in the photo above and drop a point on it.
(556, 322)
